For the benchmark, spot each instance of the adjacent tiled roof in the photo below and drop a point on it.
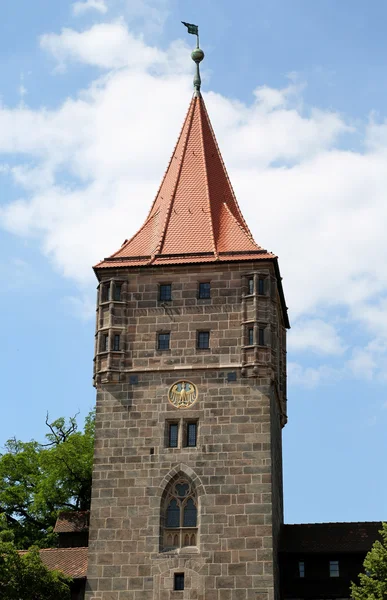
(70, 561)
(72, 522)
(329, 537)
(195, 217)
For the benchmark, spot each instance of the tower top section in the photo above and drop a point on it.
(195, 217)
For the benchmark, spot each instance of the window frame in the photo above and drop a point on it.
(261, 286)
(250, 286)
(180, 498)
(187, 424)
(105, 342)
(204, 295)
(334, 568)
(171, 424)
(117, 286)
(178, 582)
(199, 333)
(162, 287)
(301, 569)
(116, 347)
(261, 336)
(163, 333)
(250, 336)
(105, 292)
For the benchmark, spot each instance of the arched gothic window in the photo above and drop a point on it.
(179, 521)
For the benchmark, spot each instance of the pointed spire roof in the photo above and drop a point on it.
(195, 216)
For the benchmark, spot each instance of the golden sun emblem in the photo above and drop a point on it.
(183, 394)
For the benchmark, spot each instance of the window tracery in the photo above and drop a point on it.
(180, 516)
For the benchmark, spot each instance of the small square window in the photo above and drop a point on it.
(173, 435)
(117, 292)
(334, 568)
(163, 340)
(204, 290)
(116, 342)
(105, 343)
(261, 286)
(179, 581)
(203, 340)
(250, 285)
(261, 336)
(105, 292)
(250, 336)
(301, 568)
(165, 292)
(192, 430)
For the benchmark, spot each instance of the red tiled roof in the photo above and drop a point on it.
(72, 522)
(195, 217)
(329, 537)
(70, 561)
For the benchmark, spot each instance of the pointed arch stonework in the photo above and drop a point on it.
(179, 510)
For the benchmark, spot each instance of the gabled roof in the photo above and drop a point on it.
(72, 521)
(329, 537)
(195, 217)
(70, 561)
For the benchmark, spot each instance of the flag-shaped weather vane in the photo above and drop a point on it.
(197, 56)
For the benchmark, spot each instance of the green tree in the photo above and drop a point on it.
(373, 582)
(24, 575)
(37, 480)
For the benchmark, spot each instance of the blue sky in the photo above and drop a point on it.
(92, 96)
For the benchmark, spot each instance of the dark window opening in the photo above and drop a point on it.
(203, 339)
(204, 290)
(173, 514)
(116, 342)
(250, 285)
(165, 292)
(261, 286)
(179, 581)
(191, 434)
(301, 568)
(163, 341)
(334, 568)
(261, 336)
(117, 291)
(105, 292)
(173, 435)
(105, 340)
(250, 337)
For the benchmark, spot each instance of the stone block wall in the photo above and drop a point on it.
(235, 467)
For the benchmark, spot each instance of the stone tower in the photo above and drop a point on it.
(190, 371)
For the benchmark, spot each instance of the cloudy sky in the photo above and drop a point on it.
(92, 97)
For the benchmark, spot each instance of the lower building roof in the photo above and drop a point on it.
(70, 561)
(329, 537)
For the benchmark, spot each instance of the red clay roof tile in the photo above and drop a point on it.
(195, 216)
(72, 521)
(70, 561)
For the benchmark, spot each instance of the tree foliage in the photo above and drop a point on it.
(373, 582)
(37, 480)
(24, 575)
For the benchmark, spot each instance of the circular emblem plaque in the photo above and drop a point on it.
(183, 394)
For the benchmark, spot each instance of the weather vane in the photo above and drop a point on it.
(197, 56)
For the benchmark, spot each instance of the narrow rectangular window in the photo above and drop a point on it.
(105, 343)
(203, 340)
(301, 568)
(116, 342)
(250, 336)
(192, 429)
(117, 292)
(179, 581)
(204, 290)
(173, 435)
(250, 285)
(105, 292)
(261, 286)
(334, 568)
(261, 336)
(165, 292)
(163, 340)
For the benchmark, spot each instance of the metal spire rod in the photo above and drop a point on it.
(197, 56)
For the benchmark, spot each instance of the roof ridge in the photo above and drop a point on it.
(173, 195)
(225, 171)
(206, 178)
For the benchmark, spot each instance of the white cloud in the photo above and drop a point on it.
(80, 8)
(88, 172)
(315, 335)
(311, 377)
